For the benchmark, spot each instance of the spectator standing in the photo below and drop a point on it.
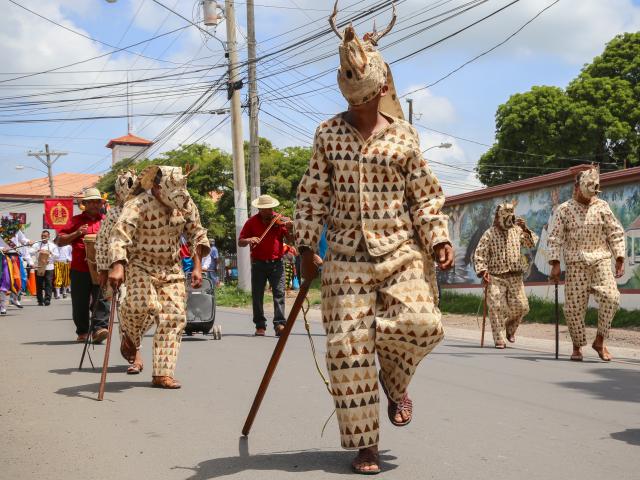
(44, 274)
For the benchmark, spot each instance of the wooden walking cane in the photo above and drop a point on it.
(105, 363)
(484, 315)
(275, 357)
(557, 323)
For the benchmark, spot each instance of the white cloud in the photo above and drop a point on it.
(438, 111)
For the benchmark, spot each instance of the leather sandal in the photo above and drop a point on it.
(395, 408)
(500, 346)
(135, 369)
(127, 349)
(366, 457)
(165, 382)
(602, 352)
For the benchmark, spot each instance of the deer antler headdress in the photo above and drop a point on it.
(363, 72)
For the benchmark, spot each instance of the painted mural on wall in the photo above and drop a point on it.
(468, 221)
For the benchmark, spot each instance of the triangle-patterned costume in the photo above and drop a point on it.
(146, 237)
(381, 203)
(498, 253)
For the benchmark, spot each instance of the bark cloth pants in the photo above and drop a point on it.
(581, 280)
(149, 299)
(384, 305)
(508, 304)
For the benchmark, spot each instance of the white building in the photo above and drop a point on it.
(128, 146)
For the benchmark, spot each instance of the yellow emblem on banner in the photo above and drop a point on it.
(59, 214)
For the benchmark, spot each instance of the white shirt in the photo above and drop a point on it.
(45, 246)
(64, 254)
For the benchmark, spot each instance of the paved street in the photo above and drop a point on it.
(480, 414)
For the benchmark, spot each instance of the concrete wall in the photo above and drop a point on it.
(120, 152)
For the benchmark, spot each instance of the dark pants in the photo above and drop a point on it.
(260, 273)
(44, 283)
(87, 302)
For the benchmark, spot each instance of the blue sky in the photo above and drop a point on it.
(550, 51)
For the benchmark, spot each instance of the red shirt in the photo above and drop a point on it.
(272, 245)
(78, 257)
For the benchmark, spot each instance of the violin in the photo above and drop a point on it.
(280, 219)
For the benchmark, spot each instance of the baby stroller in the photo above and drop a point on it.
(201, 309)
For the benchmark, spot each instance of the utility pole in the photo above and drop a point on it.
(239, 180)
(410, 102)
(47, 162)
(254, 139)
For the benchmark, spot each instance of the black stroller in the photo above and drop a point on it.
(201, 309)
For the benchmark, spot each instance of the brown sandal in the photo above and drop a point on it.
(393, 408)
(165, 382)
(134, 369)
(127, 349)
(603, 353)
(366, 458)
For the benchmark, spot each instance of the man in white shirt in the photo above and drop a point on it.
(44, 273)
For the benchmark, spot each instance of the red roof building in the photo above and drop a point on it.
(128, 146)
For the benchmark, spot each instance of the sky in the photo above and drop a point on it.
(297, 87)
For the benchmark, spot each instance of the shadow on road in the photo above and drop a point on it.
(90, 390)
(70, 370)
(630, 435)
(53, 343)
(338, 462)
(618, 384)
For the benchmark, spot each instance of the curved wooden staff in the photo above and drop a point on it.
(105, 363)
(275, 357)
(484, 315)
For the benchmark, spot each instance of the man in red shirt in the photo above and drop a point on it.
(86, 298)
(264, 233)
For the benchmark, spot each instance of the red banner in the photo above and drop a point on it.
(58, 212)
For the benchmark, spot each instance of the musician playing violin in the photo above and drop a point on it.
(265, 233)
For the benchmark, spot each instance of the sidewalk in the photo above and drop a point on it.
(546, 344)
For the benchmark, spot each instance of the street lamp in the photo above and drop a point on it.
(22, 167)
(442, 145)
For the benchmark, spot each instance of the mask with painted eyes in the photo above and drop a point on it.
(126, 184)
(173, 185)
(505, 216)
(589, 183)
(363, 72)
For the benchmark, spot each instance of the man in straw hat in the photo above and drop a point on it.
(588, 234)
(368, 182)
(264, 233)
(86, 298)
(145, 241)
(498, 261)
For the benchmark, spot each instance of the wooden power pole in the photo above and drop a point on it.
(47, 162)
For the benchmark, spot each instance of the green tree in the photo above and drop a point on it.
(597, 118)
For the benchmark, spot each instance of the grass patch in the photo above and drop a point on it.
(541, 311)
(229, 295)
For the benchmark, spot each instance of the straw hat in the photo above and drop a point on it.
(265, 201)
(90, 194)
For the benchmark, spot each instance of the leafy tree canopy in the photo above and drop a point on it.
(595, 119)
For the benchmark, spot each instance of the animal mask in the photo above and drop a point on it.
(589, 184)
(126, 183)
(173, 185)
(363, 72)
(505, 216)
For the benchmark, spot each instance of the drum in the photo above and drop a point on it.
(43, 261)
(90, 255)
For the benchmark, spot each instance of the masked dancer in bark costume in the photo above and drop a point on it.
(368, 182)
(145, 242)
(588, 234)
(498, 262)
